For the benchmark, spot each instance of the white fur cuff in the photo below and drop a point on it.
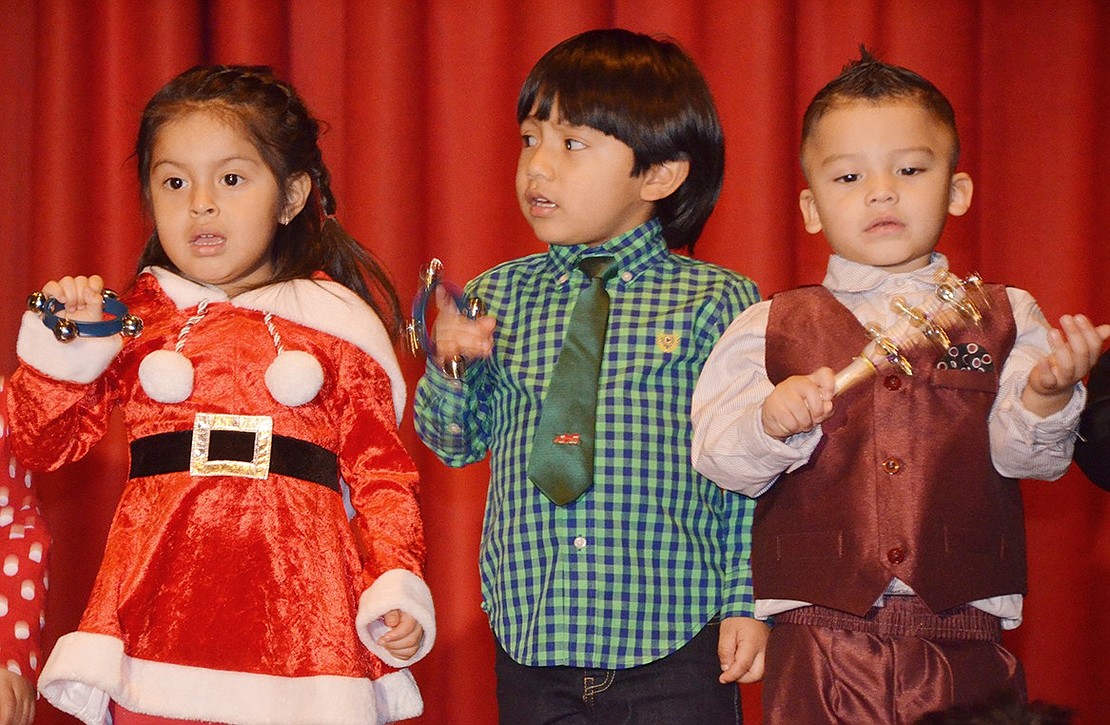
(81, 361)
(396, 589)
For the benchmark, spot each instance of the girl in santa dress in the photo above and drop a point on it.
(260, 394)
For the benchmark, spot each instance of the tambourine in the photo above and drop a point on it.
(416, 329)
(119, 322)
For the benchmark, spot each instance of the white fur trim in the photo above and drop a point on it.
(81, 361)
(395, 589)
(332, 308)
(294, 378)
(87, 670)
(318, 304)
(166, 376)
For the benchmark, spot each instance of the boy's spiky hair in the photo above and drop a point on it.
(870, 79)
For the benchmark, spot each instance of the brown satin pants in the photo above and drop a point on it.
(890, 667)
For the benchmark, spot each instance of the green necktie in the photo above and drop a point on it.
(561, 463)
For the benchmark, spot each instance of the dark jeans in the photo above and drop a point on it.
(679, 689)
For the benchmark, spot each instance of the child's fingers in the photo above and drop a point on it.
(81, 295)
(1085, 339)
(445, 303)
(1061, 359)
(754, 672)
(825, 379)
(392, 618)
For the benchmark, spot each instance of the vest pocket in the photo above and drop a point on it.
(966, 380)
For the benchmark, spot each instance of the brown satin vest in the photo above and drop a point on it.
(901, 484)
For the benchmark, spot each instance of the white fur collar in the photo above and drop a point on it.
(318, 304)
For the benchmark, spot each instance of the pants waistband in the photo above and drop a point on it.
(903, 616)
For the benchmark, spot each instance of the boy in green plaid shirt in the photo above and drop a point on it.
(632, 602)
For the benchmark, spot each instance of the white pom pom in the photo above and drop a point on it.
(294, 377)
(166, 376)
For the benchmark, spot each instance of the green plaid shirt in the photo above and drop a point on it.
(636, 566)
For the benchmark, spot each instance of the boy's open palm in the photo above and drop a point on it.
(1074, 348)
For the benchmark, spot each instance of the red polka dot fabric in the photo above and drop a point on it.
(24, 543)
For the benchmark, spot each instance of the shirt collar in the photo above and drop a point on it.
(635, 251)
(846, 276)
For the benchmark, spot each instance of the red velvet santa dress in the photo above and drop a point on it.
(233, 587)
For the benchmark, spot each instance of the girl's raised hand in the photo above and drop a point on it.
(80, 295)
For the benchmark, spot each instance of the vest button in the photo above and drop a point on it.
(896, 555)
(892, 466)
(892, 382)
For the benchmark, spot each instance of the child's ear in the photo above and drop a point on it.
(808, 204)
(660, 181)
(959, 194)
(296, 196)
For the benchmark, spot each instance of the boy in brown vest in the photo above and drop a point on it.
(889, 543)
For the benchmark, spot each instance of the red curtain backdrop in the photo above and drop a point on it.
(419, 99)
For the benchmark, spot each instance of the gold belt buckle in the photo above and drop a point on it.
(258, 467)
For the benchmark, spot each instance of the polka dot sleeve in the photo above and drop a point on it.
(24, 543)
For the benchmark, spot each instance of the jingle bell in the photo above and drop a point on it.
(36, 302)
(455, 367)
(130, 325)
(65, 330)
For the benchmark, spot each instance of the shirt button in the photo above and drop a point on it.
(580, 542)
(892, 466)
(626, 276)
(896, 555)
(892, 382)
(454, 429)
(562, 279)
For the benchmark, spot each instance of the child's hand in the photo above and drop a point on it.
(17, 699)
(740, 649)
(799, 403)
(1073, 354)
(405, 634)
(80, 295)
(455, 334)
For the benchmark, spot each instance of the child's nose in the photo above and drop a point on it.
(539, 162)
(202, 201)
(881, 190)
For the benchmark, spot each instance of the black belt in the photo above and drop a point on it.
(172, 453)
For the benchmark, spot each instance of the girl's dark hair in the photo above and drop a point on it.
(647, 93)
(873, 80)
(279, 124)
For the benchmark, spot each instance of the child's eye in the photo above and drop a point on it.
(910, 171)
(173, 182)
(527, 140)
(232, 179)
(847, 178)
(573, 144)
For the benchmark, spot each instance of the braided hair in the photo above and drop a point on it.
(286, 135)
